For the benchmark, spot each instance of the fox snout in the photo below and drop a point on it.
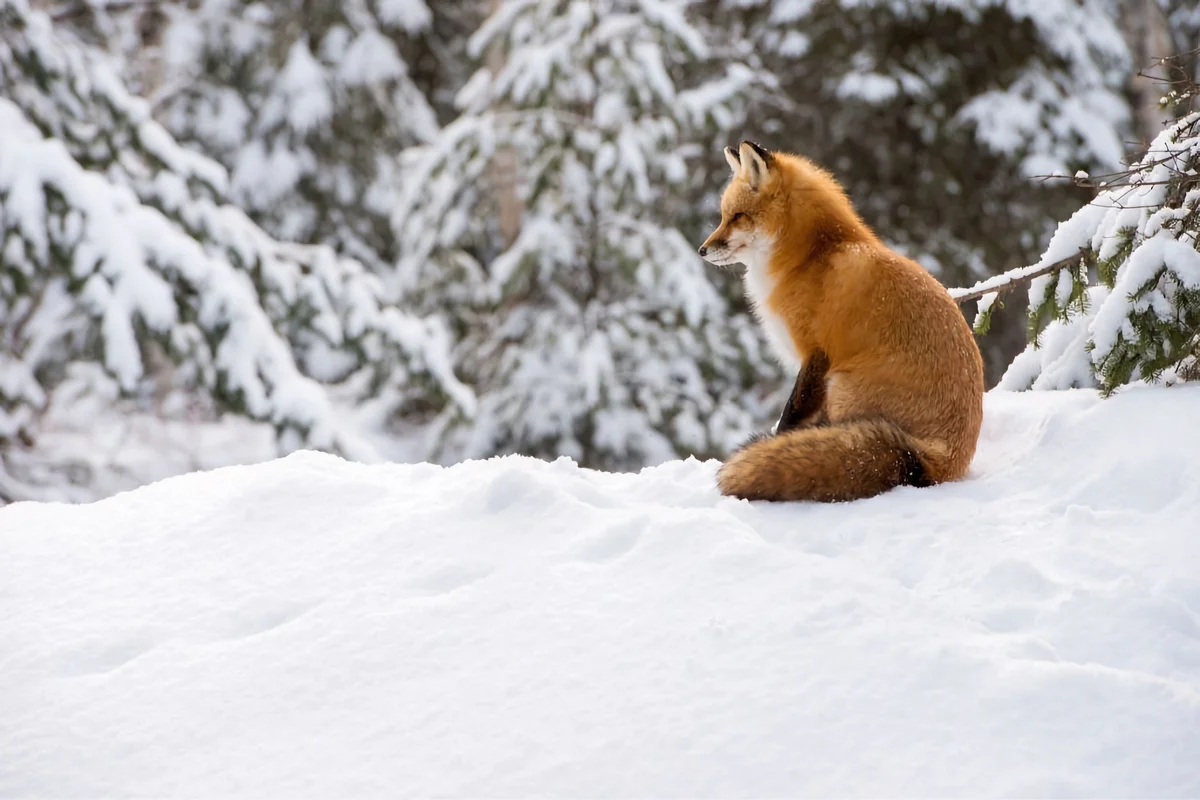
(718, 247)
(716, 244)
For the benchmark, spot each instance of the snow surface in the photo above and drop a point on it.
(513, 627)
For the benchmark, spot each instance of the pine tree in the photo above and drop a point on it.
(114, 240)
(306, 102)
(1130, 309)
(937, 117)
(544, 220)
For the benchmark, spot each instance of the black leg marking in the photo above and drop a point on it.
(807, 400)
(790, 419)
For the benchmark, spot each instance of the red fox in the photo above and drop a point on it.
(890, 383)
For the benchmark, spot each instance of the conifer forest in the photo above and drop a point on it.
(439, 230)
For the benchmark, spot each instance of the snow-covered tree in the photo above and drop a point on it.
(306, 103)
(938, 116)
(1129, 310)
(545, 220)
(116, 242)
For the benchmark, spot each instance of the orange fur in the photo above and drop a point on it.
(903, 399)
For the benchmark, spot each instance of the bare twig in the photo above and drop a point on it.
(1112, 181)
(1011, 280)
(1179, 86)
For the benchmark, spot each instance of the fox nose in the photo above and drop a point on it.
(703, 251)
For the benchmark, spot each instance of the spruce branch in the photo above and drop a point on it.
(1008, 281)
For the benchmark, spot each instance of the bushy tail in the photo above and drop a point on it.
(835, 463)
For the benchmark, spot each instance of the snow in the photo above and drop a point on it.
(371, 58)
(868, 86)
(412, 15)
(983, 308)
(301, 94)
(1142, 267)
(514, 627)
(1061, 359)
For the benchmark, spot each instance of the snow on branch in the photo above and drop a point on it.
(998, 284)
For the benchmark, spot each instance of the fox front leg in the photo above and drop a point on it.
(805, 407)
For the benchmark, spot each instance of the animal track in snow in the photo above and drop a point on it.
(99, 656)
(259, 616)
(447, 578)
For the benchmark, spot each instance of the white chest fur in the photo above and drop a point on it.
(759, 285)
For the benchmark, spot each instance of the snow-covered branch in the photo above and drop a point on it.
(1013, 279)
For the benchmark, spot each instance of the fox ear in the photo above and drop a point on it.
(756, 161)
(731, 156)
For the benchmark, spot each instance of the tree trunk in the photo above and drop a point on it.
(504, 162)
(1149, 38)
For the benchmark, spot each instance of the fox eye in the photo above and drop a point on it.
(736, 217)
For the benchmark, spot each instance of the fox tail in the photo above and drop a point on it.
(833, 463)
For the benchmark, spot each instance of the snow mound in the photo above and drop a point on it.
(311, 627)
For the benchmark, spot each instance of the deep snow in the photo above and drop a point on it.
(312, 627)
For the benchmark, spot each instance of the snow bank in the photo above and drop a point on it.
(312, 627)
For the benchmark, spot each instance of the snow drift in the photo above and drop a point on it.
(312, 627)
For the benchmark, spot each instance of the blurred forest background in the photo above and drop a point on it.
(448, 229)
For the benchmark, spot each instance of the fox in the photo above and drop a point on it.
(889, 379)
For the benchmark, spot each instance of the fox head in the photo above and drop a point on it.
(748, 207)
